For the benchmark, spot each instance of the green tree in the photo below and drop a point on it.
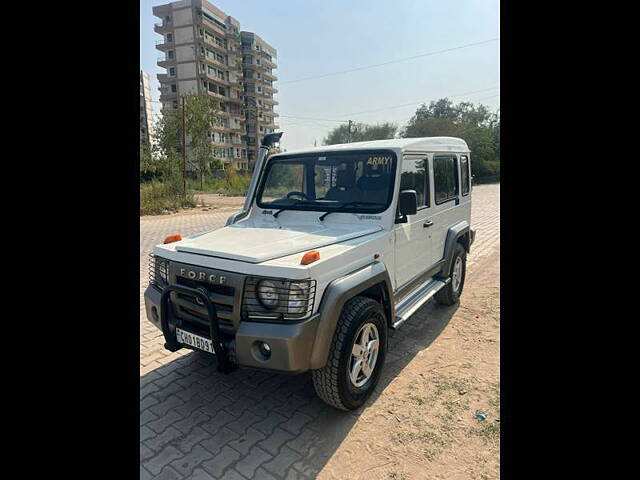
(360, 133)
(200, 117)
(475, 124)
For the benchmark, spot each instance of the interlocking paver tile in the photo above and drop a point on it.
(216, 442)
(250, 463)
(274, 441)
(191, 460)
(221, 461)
(162, 459)
(159, 441)
(243, 443)
(272, 420)
(282, 462)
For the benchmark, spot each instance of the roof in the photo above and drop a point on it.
(429, 144)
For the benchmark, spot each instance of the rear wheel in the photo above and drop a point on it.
(356, 356)
(450, 293)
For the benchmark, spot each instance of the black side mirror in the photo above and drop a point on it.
(407, 205)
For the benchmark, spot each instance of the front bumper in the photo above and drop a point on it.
(291, 344)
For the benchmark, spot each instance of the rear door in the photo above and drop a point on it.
(412, 239)
(446, 193)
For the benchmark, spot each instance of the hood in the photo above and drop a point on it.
(259, 244)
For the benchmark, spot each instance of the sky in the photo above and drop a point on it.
(318, 37)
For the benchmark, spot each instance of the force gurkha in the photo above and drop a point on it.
(334, 246)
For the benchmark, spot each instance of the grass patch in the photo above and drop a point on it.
(158, 197)
(231, 184)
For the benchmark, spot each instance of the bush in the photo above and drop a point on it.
(232, 183)
(157, 197)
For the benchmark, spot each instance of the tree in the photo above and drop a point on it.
(200, 117)
(360, 133)
(475, 124)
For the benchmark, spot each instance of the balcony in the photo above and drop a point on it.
(165, 62)
(163, 45)
(215, 78)
(213, 26)
(163, 27)
(212, 43)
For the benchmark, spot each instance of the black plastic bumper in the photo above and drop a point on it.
(171, 343)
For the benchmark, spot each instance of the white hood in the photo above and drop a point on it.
(258, 244)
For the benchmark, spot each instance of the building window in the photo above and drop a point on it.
(169, 37)
(445, 178)
(174, 88)
(170, 54)
(172, 71)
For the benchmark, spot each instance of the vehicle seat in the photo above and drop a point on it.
(375, 188)
(345, 189)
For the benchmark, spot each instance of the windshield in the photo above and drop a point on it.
(356, 182)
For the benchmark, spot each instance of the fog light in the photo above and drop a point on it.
(265, 349)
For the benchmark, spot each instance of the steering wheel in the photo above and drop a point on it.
(300, 194)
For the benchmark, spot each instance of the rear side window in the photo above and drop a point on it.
(445, 178)
(414, 178)
(464, 175)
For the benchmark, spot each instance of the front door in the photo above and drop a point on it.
(413, 239)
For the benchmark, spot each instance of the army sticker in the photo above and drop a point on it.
(378, 160)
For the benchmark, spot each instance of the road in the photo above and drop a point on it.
(442, 366)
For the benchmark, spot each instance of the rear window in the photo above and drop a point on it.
(445, 178)
(464, 174)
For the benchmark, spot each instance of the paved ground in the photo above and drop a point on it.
(197, 423)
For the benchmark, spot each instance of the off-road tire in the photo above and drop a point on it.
(447, 295)
(332, 382)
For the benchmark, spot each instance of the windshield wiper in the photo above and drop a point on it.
(348, 204)
(288, 207)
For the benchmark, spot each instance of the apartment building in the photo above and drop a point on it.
(146, 111)
(204, 50)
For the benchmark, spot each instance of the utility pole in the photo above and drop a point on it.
(349, 135)
(184, 150)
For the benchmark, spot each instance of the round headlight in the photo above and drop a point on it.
(268, 294)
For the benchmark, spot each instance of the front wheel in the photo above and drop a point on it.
(356, 356)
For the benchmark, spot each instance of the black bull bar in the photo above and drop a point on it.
(171, 343)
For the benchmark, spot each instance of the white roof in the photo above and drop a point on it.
(428, 144)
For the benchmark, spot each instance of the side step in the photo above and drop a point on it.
(416, 299)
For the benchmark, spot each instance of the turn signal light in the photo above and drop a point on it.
(310, 257)
(173, 238)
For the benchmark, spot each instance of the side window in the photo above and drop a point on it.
(464, 175)
(445, 178)
(413, 178)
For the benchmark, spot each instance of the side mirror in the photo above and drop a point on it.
(408, 203)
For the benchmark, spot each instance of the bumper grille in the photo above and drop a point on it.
(224, 289)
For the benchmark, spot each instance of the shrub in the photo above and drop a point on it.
(157, 196)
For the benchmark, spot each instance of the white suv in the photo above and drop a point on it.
(335, 246)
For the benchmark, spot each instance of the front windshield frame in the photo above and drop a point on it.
(317, 207)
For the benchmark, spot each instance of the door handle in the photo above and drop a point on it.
(426, 224)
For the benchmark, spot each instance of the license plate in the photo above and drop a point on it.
(193, 340)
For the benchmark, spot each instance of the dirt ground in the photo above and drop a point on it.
(422, 423)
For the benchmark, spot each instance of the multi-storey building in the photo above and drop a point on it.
(146, 111)
(203, 51)
(258, 62)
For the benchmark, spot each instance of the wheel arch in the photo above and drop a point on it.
(372, 281)
(459, 233)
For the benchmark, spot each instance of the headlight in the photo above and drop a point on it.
(268, 294)
(158, 271)
(277, 299)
